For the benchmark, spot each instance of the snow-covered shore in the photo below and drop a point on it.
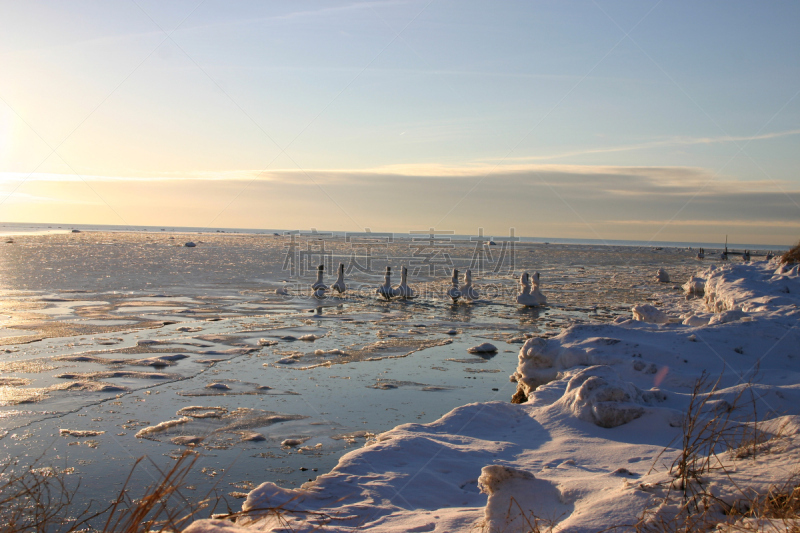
(586, 449)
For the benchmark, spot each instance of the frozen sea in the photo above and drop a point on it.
(112, 333)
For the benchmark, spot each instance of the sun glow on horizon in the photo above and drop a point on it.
(403, 115)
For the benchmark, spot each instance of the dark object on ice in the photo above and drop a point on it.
(792, 256)
(76, 231)
(190, 244)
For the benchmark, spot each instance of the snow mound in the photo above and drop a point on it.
(544, 360)
(597, 394)
(728, 316)
(650, 314)
(696, 321)
(696, 286)
(662, 276)
(515, 496)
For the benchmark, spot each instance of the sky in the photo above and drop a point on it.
(642, 120)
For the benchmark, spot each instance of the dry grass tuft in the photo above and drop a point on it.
(781, 502)
(161, 508)
(709, 430)
(792, 256)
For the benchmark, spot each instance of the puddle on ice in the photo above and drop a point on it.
(215, 360)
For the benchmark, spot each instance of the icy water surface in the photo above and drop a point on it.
(115, 346)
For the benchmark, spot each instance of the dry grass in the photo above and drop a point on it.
(792, 256)
(781, 502)
(709, 430)
(39, 499)
(36, 499)
(162, 507)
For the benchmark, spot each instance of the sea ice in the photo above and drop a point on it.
(79, 433)
(483, 348)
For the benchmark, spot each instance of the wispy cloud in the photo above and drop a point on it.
(605, 180)
(675, 141)
(27, 198)
(538, 200)
(707, 223)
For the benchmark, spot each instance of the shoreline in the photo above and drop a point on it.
(45, 229)
(593, 445)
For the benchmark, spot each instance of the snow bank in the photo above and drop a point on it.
(767, 288)
(599, 403)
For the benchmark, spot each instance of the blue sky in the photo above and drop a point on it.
(639, 120)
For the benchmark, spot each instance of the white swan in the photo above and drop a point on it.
(403, 290)
(386, 290)
(319, 286)
(467, 290)
(530, 297)
(453, 291)
(340, 286)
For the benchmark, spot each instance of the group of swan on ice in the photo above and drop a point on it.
(530, 295)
